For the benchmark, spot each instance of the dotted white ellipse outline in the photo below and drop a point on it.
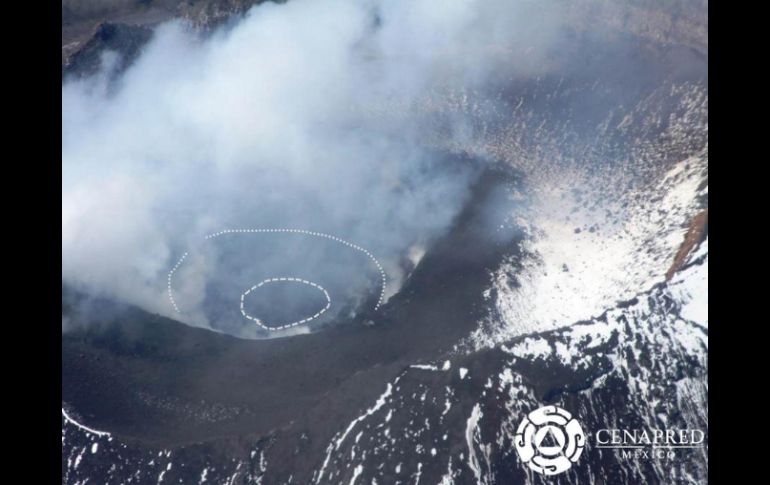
(85, 428)
(170, 275)
(383, 278)
(292, 324)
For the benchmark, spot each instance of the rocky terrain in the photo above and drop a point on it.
(681, 23)
(85, 23)
(642, 363)
(590, 295)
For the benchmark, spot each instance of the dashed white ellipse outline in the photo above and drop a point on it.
(292, 324)
(383, 278)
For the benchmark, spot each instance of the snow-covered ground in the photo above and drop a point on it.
(580, 260)
(691, 287)
(642, 361)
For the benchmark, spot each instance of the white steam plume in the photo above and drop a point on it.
(274, 122)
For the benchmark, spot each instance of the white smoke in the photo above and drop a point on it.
(277, 121)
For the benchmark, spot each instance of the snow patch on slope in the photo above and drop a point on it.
(690, 286)
(581, 258)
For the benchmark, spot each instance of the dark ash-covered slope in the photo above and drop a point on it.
(639, 365)
(397, 402)
(150, 378)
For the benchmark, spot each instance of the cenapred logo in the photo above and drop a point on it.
(549, 440)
